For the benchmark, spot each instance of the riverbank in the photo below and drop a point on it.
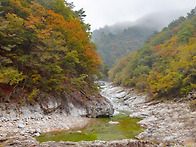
(48, 112)
(37, 124)
(21, 117)
(20, 131)
(20, 124)
(167, 123)
(21, 141)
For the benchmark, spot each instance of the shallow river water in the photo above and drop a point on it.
(118, 127)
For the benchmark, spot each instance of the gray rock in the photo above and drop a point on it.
(32, 117)
(100, 108)
(38, 130)
(116, 143)
(22, 132)
(20, 125)
(14, 119)
(169, 138)
(49, 103)
(3, 119)
(143, 134)
(136, 115)
(32, 131)
(24, 119)
(65, 126)
(142, 114)
(20, 141)
(37, 134)
(163, 112)
(150, 130)
(60, 119)
(10, 125)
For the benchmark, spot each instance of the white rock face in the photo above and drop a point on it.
(76, 111)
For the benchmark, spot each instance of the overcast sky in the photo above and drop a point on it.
(107, 12)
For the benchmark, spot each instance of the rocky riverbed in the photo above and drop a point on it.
(53, 113)
(167, 123)
(37, 124)
(21, 141)
(21, 118)
(20, 128)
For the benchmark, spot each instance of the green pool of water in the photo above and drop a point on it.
(98, 129)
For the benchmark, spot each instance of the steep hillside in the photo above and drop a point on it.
(113, 44)
(166, 64)
(118, 40)
(44, 47)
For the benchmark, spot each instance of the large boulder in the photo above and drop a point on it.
(101, 107)
(81, 104)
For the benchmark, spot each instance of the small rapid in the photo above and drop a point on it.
(117, 95)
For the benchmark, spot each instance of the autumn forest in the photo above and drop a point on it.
(64, 82)
(165, 66)
(45, 46)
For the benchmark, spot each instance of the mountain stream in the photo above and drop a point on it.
(118, 127)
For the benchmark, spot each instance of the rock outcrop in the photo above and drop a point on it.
(29, 141)
(50, 112)
(76, 103)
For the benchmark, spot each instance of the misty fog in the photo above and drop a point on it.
(156, 20)
(101, 13)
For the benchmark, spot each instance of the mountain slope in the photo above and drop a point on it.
(44, 48)
(166, 64)
(118, 40)
(113, 45)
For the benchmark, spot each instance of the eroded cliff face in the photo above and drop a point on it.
(75, 103)
(48, 112)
